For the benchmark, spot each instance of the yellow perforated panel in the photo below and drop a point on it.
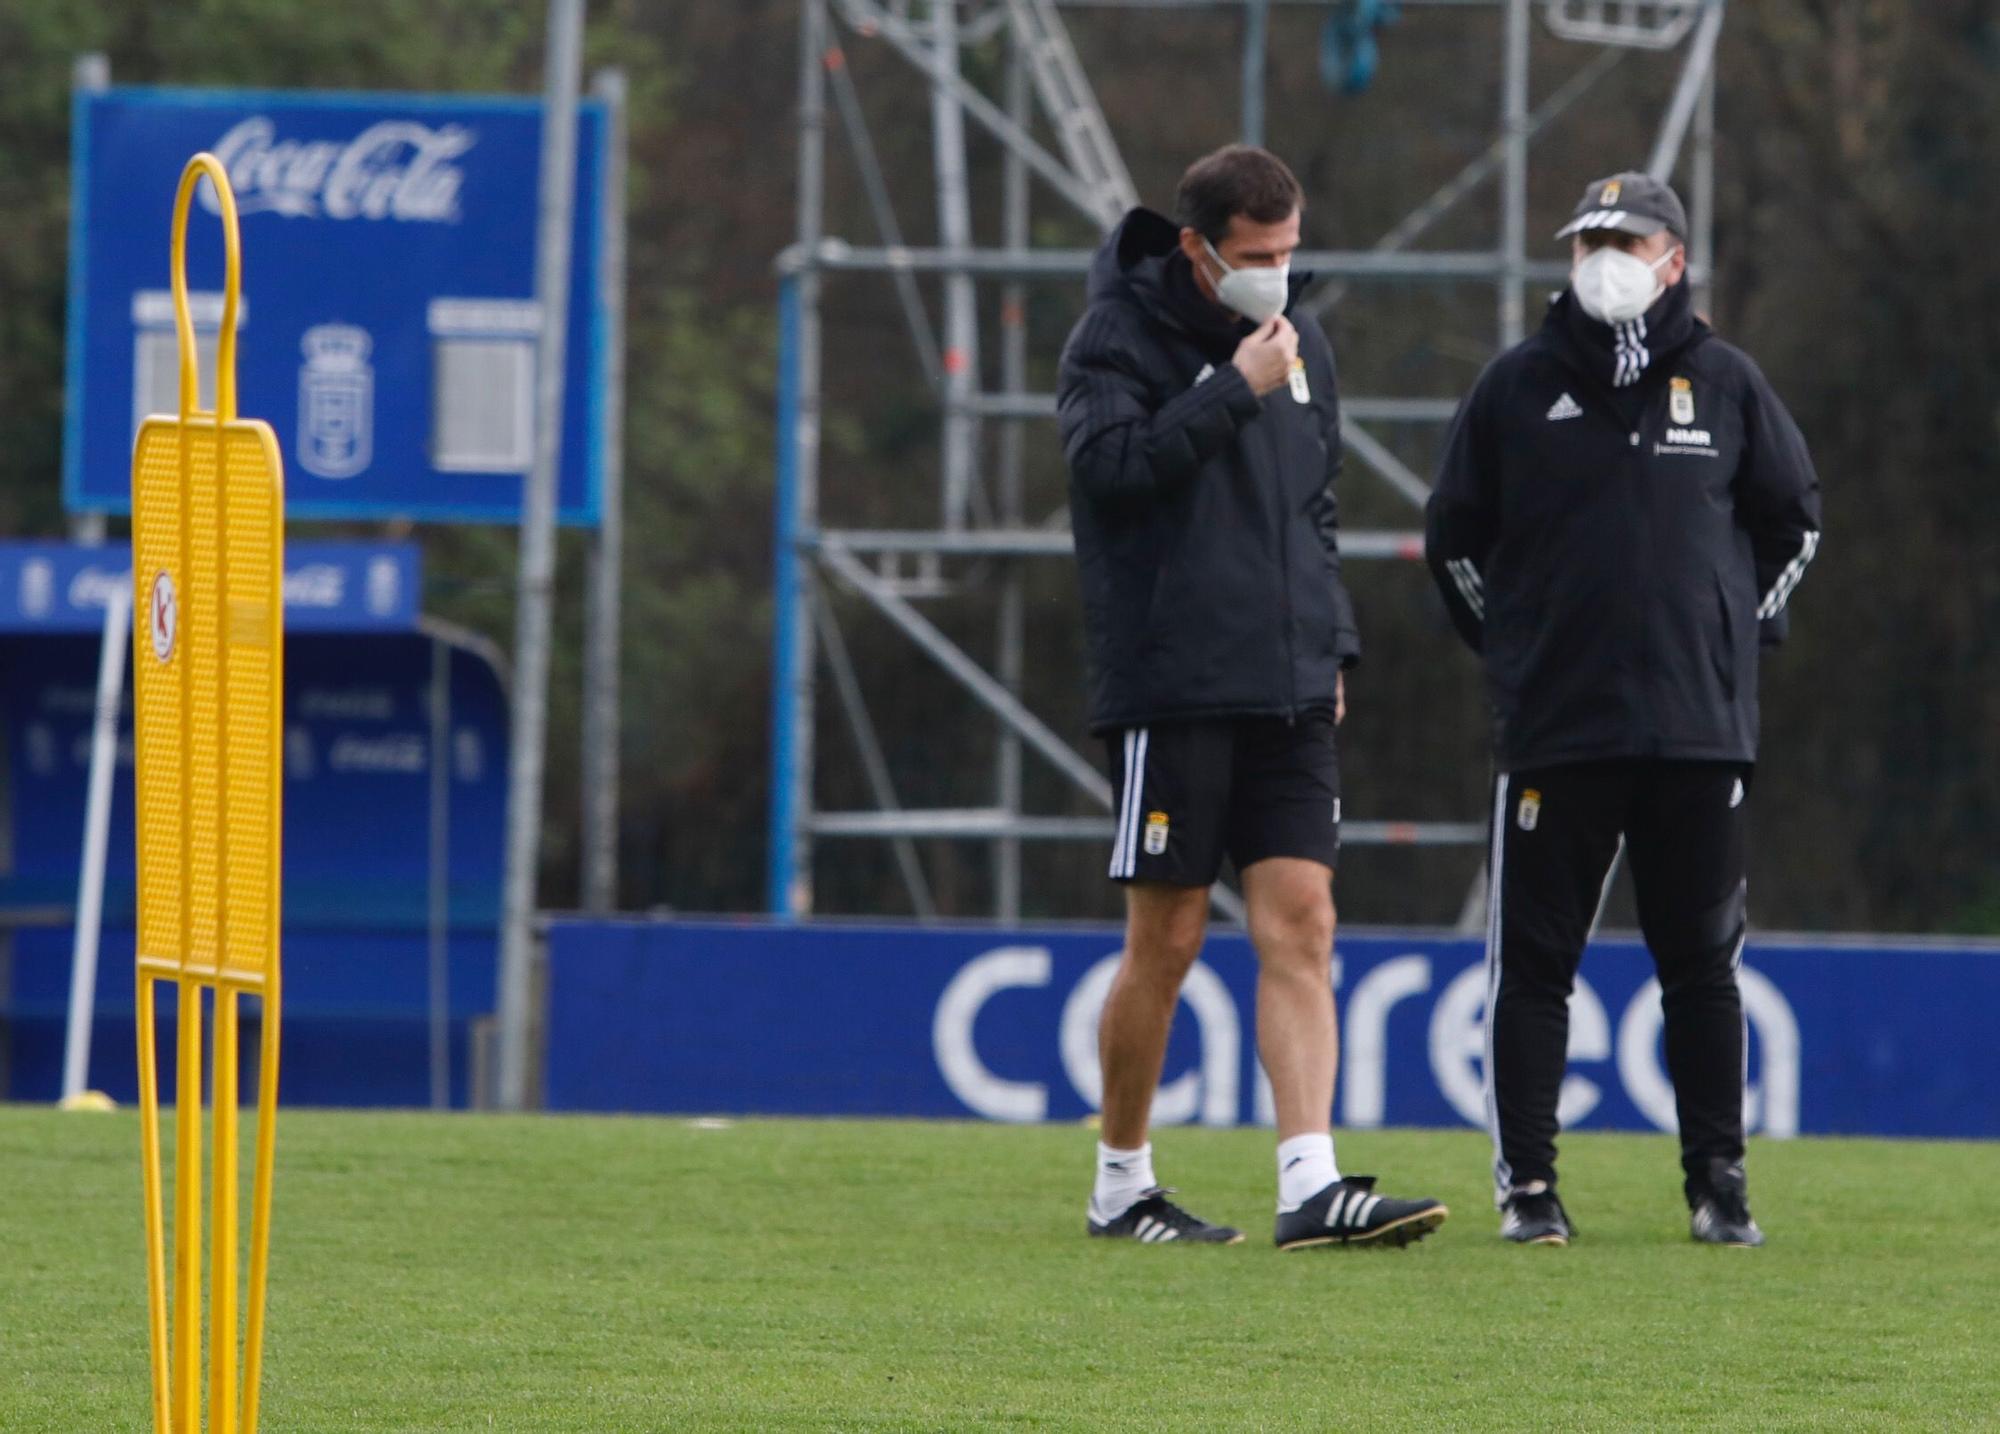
(201, 607)
(253, 647)
(157, 580)
(210, 695)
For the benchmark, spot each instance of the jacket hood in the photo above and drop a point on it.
(1132, 262)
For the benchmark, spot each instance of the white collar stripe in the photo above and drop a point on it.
(1628, 340)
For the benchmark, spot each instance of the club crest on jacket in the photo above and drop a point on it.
(1680, 401)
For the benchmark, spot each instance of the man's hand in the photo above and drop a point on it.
(1339, 698)
(1265, 357)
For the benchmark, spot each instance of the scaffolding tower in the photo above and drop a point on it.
(982, 534)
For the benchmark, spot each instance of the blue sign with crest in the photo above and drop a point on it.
(389, 323)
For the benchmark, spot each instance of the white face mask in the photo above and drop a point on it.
(1257, 293)
(1615, 287)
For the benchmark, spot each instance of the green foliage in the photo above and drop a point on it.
(562, 1274)
(698, 433)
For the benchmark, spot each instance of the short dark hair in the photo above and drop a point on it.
(1236, 179)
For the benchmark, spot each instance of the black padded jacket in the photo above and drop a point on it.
(1619, 553)
(1207, 531)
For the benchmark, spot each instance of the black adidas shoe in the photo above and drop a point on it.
(1349, 1212)
(1721, 1208)
(1535, 1217)
(1156, 1220)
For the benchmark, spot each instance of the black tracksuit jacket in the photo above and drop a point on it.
(1205, 519)
(1616, 553)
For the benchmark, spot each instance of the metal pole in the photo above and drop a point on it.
(1453, 191)
(1010, 640)
(1687, 93)
(961, 315)
(440, 875)
(847, 687)
(96, 839)
(858, 576)
(607, 543)
(89, 75)
(788, 866)
(838, 256)
(1393, 470)
(847, 103)
(538, 550)
(988, 116)
(1701, 250)
(1256, 44)
(1514, 179)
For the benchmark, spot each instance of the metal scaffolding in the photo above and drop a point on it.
(982, 534)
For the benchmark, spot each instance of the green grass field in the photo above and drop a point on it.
(484, 1273)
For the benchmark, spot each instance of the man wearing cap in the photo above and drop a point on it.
(1622, 511)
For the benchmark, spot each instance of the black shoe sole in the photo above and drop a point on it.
(1397, 1233)
(1097, 1234)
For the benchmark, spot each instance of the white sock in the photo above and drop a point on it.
(1305, 1167)
(1122, 1176)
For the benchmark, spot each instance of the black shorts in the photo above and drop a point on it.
(1189, 793)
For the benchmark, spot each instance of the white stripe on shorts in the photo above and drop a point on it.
(1125, 845)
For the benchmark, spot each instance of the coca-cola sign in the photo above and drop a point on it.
(394, 169)
(389, 246)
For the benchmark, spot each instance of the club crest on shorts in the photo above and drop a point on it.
(1156, 833)
(1529, 812)
(1736, 794)
(1300, 393)
(1680, 401)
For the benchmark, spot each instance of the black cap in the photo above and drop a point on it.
(1632, 203)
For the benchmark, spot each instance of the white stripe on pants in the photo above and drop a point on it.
(1496, 863)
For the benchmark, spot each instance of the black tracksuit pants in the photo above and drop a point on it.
(1556, 833)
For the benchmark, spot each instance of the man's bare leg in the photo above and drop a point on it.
(1163, 931)
(1164, 926)
(1291, 925)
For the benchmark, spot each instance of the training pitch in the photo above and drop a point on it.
(569, 1274)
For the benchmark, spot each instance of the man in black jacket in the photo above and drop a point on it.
(1623, 509)
(1203, 435)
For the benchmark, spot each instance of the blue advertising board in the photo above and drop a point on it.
(358, 755)
(359, 752)
(329, 587)
(1873, 1037)
(359, 747)
(388, 326)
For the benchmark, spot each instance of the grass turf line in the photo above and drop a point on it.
(570, 1274)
